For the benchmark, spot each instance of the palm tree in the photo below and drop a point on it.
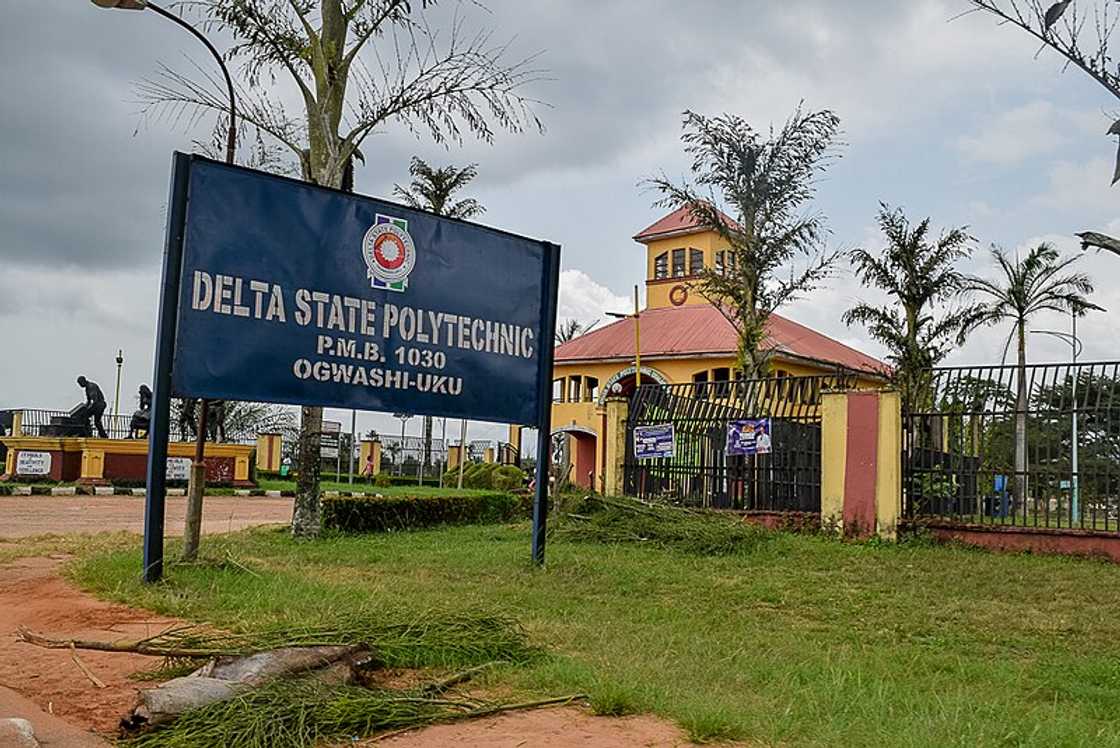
(766, 179)
(431, 189)
(570, 329)
(918, 274)
(1041, 281)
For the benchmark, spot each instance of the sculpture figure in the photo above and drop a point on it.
(142, 418)
(94, 405)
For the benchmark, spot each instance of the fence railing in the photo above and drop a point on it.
(701, 473)
(1034, 447)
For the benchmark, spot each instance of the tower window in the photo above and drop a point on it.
(679, 270)
(719, 261)
(661, 265)
(695, 261)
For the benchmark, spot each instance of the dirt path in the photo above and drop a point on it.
(33, 595)
(46, 687)
(26, 516)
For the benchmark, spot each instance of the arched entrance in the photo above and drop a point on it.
(623, 382)
(576, 448)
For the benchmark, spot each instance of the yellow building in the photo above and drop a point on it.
(684, 338)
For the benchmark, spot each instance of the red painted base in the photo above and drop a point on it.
(1033, 540)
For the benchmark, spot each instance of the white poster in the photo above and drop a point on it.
(178, 468)
(33, 463)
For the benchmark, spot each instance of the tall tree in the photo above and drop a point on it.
(765, 181)
(432, 189)
(355, 66)
(1041, 281)
(570, 329)
(919, 275)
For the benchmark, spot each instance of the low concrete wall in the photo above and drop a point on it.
(1066, 542)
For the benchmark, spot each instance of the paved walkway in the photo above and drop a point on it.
(25, 516)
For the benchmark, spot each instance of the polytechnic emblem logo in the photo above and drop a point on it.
(389, 253)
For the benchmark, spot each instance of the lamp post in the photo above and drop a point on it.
(117, 398)
(637, 336)
(197, 483)
(1076, 347)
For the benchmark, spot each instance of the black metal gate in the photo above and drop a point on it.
(1031, 447)
(700, 473)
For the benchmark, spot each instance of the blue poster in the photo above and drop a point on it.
(651, 442)
(749, 436)
(292, 293)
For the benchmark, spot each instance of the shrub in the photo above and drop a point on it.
(488, 476)
(378, 514)
(382, 480)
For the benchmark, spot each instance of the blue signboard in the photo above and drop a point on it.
(292, 293)
(749, 436)
(651, 442)
(280, 291)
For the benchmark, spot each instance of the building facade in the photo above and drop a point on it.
(683, 337)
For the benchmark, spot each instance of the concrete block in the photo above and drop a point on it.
(103, 490)
(21, 490)
(64, 491)
(176, 492)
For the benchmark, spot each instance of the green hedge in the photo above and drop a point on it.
(373, 514)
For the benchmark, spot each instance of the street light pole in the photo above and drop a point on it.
(117, 398)
(197, 483)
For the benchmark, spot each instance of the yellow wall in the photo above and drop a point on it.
(657, 290)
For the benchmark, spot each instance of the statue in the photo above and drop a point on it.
(94, 406)
(142, 418)
(215, 420)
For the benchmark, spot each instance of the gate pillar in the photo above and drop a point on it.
(614, 442)
(861, 463)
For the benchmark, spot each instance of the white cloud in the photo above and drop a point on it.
(584, 299)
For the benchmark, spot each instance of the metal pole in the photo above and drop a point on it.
(462, 450)
(197, 484)
(443, 438)
(161, 379)
(117, 399)
(353, 442)
(637, 341)
(544, 397)
(1075, 488)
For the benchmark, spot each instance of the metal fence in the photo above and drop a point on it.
(999, 445)
(702, 474)
(406, 456)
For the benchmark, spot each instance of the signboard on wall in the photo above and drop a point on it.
(178, 468)
(329, 439)
(33, 463)
(297, 294)
(749, 436)
(652, 442)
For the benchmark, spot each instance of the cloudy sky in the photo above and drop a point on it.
(954, 120)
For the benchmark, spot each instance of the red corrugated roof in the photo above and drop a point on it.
(700, 329)
(680, 221)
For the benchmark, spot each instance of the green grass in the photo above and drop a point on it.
(802, 641)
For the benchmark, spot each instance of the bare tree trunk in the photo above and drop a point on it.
(1021, 486)
(305, 513)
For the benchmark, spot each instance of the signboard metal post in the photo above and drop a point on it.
(550, 289)
(155, 498)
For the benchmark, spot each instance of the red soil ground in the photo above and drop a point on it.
(46, 686)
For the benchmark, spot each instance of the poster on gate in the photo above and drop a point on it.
(652, 442)
(749, 436)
